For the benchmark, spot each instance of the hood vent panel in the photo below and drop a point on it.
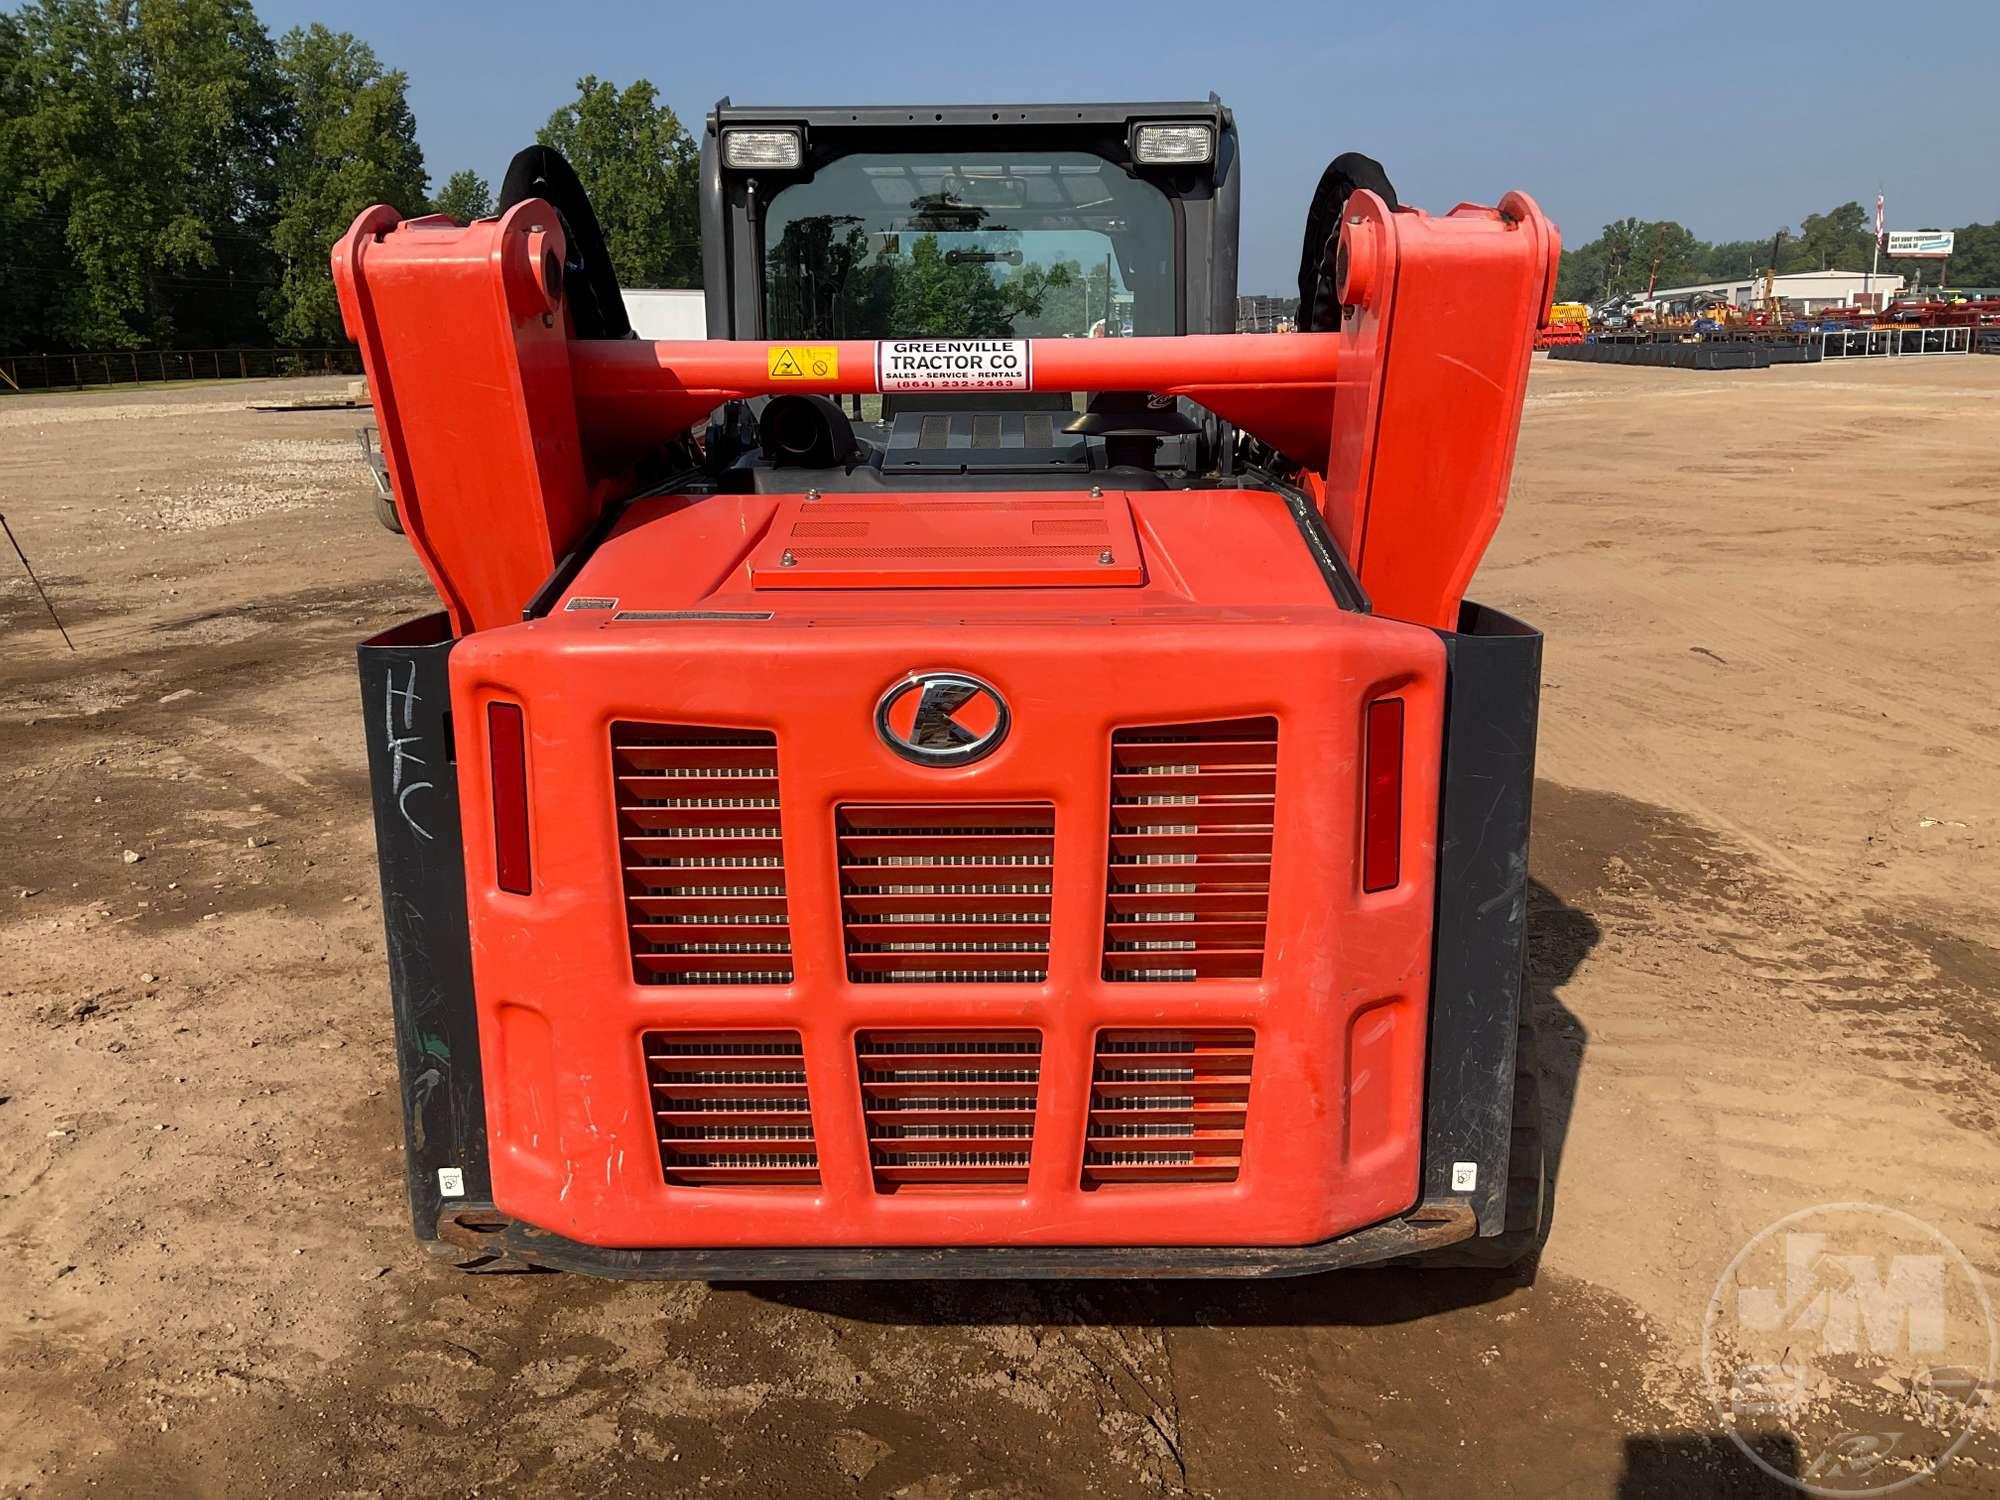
(1193, 807)
(704, 862)
(947, 893)
(1167, 1106)
(949, 1108)
(731, 1108)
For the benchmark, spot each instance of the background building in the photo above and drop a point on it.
(666, 312)
(1265, 314)
(1801, 291)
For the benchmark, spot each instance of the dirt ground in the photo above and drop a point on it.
(1763, 954)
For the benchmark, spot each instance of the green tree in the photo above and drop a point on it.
(640, 168)
(936, 297)
(350, 141)
(828, 277)
(1975, 256)
(1837, 240)
(818, 281)
(1622, 259)
(942, 293)
(465, 196)
(1072, 299)
(138, 140)
(1974, 263)
(1733, 260)
(27, 273)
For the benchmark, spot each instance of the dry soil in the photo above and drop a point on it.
(1763, 957)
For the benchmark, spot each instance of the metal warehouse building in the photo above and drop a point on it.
(1801, 291)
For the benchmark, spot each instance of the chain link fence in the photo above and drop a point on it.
(76, 372)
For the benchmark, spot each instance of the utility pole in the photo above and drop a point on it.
(1653, 274)
(1875, 258)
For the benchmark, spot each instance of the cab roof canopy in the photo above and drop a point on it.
(1205, 195)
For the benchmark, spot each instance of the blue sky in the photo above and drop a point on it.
(1731, 118)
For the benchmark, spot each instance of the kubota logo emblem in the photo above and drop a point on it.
(941, 718)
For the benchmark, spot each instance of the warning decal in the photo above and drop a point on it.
(952, 365)
(803, 361)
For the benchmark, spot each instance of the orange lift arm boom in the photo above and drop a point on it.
(506, 438)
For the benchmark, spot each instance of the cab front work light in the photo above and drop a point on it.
(773, 150)
(1173, 145)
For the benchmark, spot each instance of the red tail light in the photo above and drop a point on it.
(1382, 813)
(509, 750)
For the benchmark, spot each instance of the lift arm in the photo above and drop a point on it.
(506, 437)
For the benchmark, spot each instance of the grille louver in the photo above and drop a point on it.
(949, 1108)
(1167, 1106)
(946, 893)
(704, 864)
(1192, 809)
(731, 1108)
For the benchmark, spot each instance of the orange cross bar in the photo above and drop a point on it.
(1279, 384)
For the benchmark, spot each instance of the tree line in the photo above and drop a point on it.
(824, 279)
(173, 176)
(1623, 258)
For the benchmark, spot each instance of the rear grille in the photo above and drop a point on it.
(704, 864)
(946, 893)
(731, 1108)
(1167, 1106)
(1190, 878)
(949, 1108)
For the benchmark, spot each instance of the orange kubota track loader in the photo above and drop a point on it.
(1065, 822)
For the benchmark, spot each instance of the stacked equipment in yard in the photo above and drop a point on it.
(1567, 323)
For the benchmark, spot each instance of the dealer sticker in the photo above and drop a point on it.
(952, 365)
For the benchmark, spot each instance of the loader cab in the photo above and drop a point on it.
(997, 221)
(966, 223)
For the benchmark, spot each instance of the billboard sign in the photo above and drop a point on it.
(1919, 244)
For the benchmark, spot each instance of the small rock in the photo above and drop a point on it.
(377, 1274)
(149, 979)
(176, 697)
(258, 841)
(210, 916)
(133, 856)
